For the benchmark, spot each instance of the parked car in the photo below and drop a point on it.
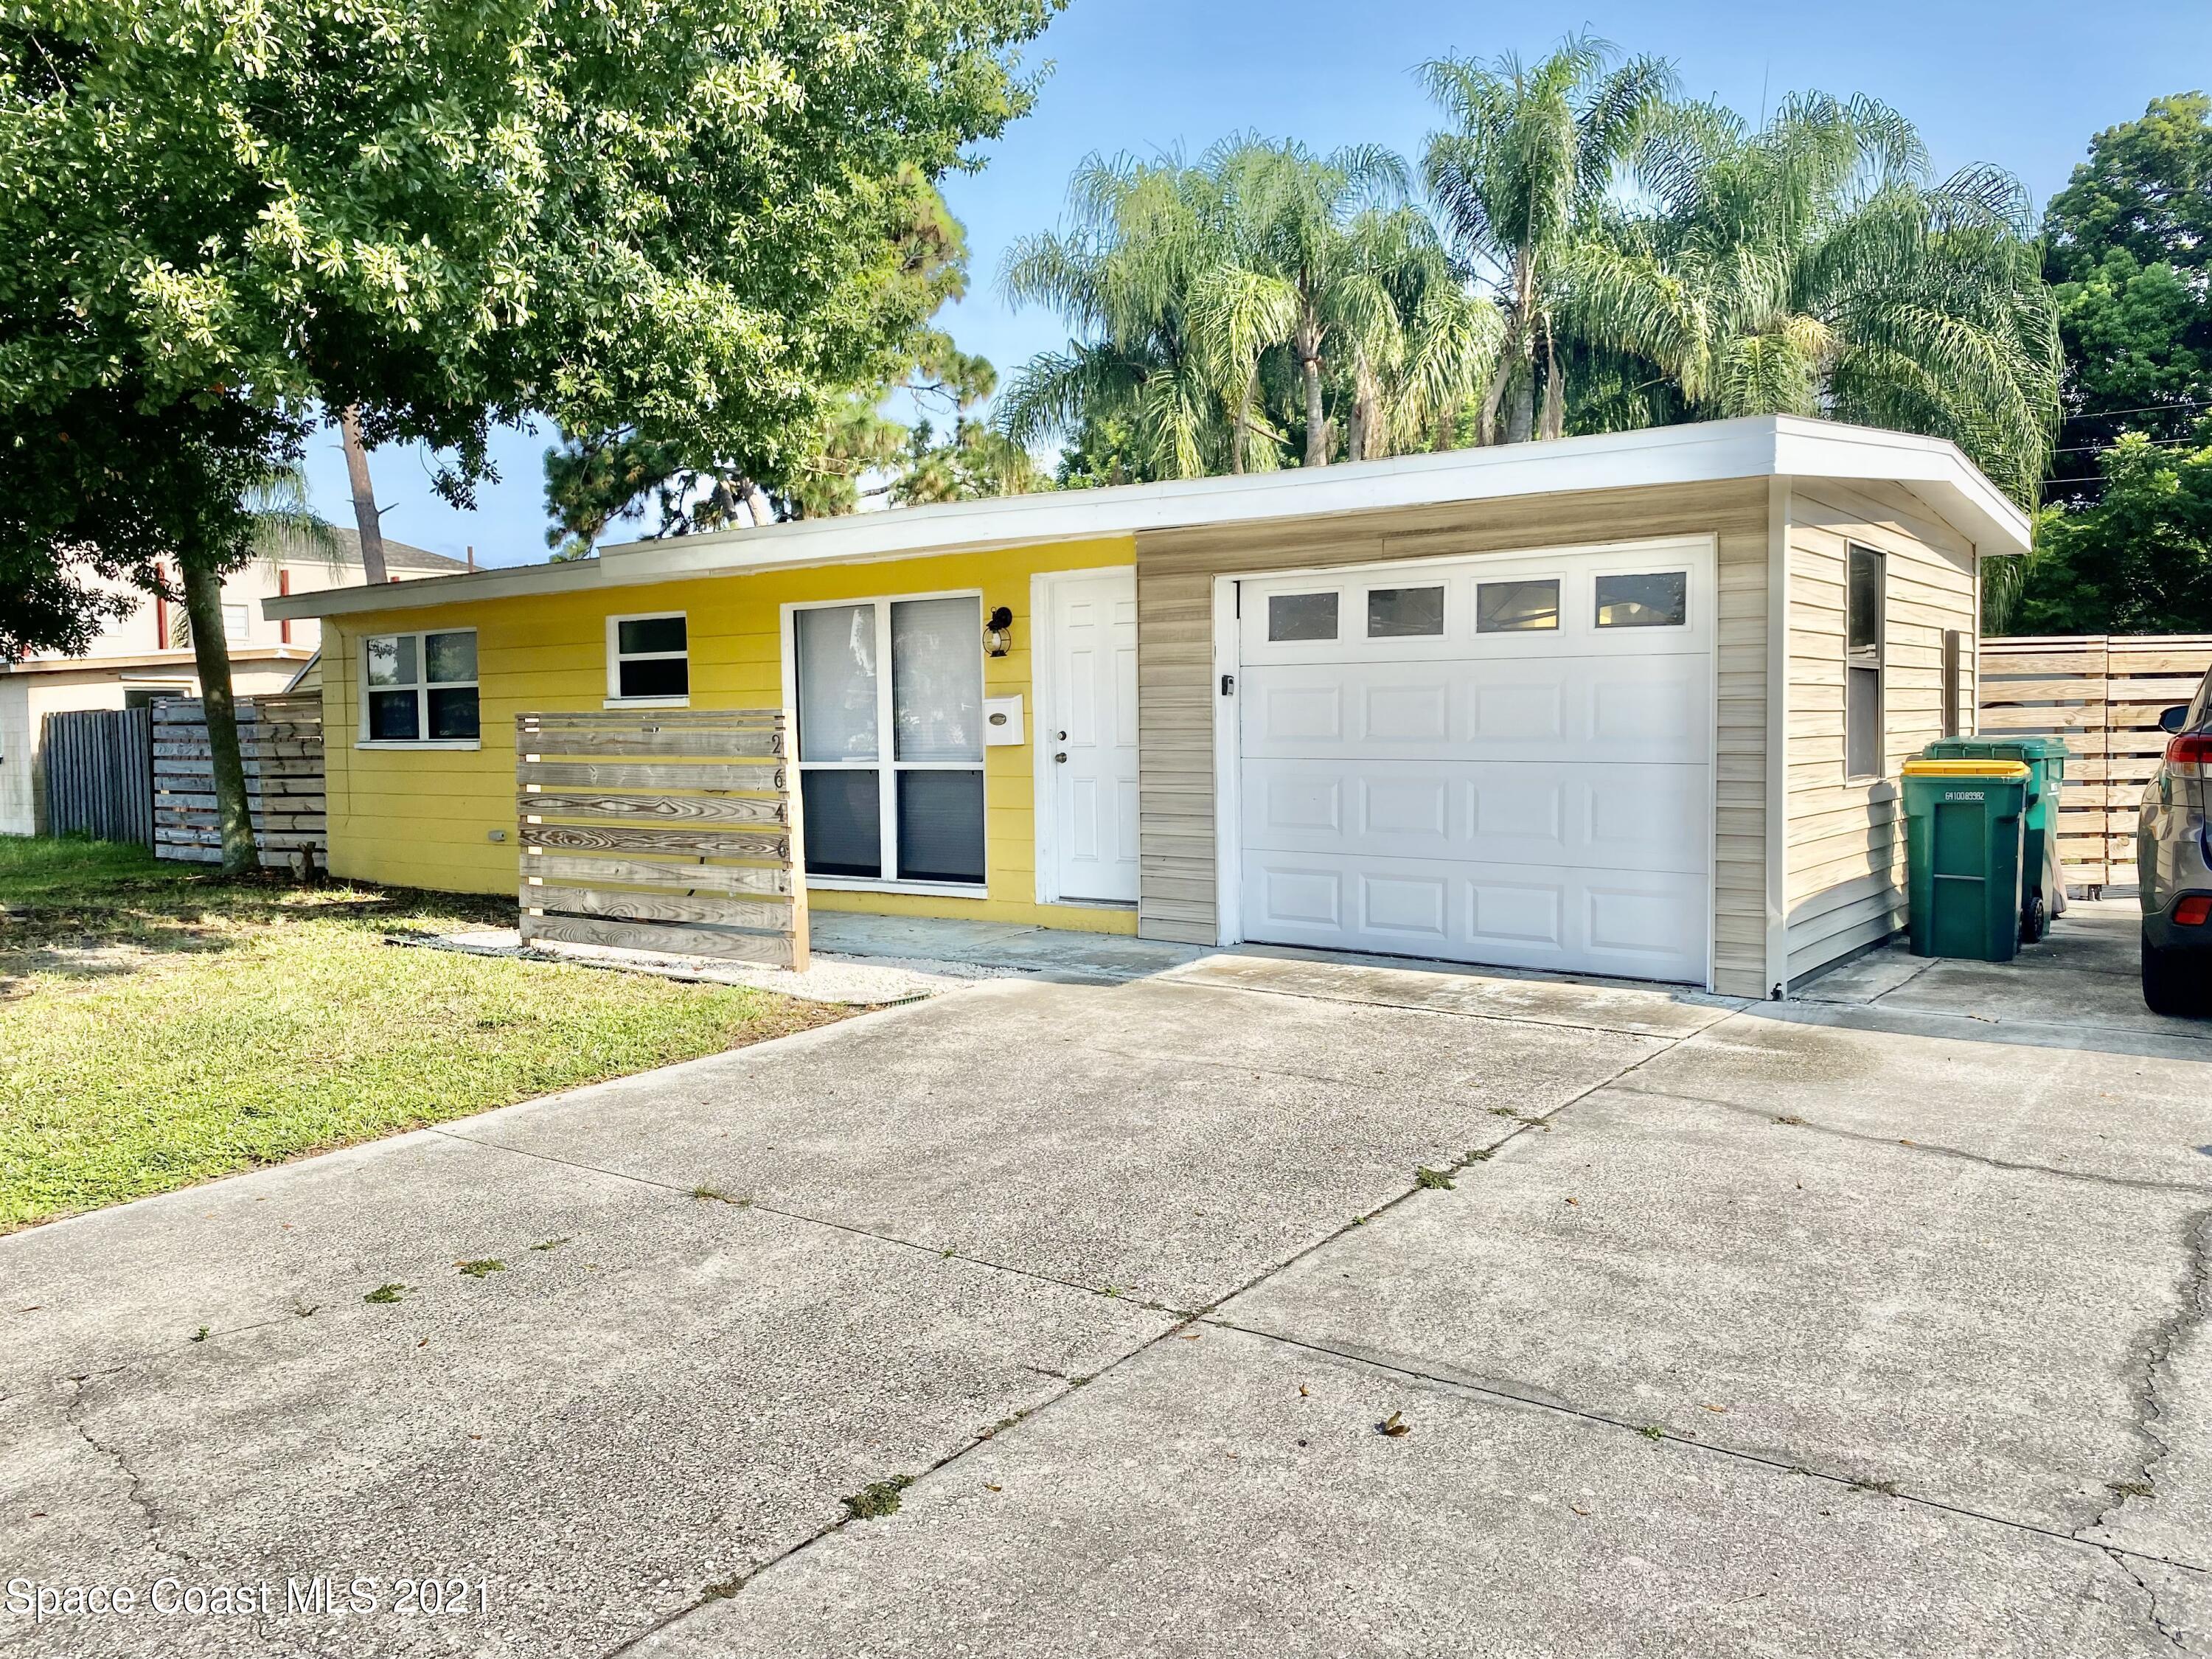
(2173, 858)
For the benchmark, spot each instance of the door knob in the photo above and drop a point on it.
(1061, 757)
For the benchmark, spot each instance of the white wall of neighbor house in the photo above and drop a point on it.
(1844, 850)
(28, 697)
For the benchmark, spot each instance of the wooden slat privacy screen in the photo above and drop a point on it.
(98, 773)
(281, 738)
(2103, 695)
(669, 830)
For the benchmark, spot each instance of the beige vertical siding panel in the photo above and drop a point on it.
(1175, 572)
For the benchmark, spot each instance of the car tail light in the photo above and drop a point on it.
(2193, 912)
(2190, 756)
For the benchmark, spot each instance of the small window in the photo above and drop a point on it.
(1516, 607)
(420, 687)
(648, 658)
(1862, 665)
(1292, 616)
(1405, 613)
(1662, 600)
(237, 624)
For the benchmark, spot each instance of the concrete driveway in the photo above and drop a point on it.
(1868, 1324)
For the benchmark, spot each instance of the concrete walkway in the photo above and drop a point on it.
(1866, 1325)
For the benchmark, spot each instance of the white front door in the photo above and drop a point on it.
(1500, 760)
(1087, 734)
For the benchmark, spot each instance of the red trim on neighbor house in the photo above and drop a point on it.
(283, 588)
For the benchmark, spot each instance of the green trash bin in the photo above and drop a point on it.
(2043, 881)
(1964, 834)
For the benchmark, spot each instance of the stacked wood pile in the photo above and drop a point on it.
(99, 775)
(671, 831)
(281, 740)
(2103, 695)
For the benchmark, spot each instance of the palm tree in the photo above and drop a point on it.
(1809, 267)
(1218, 306)
(1143, 237)
(1314, 228)
(1532, 151)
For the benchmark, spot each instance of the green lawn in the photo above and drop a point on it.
(159, 1026)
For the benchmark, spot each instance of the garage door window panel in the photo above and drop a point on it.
(1660, 599)
(891, 764)
(1294, 618)
(1406, 613)
(1520, 607)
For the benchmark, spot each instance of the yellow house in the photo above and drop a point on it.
(1629, 704)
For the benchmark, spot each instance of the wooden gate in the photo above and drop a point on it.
(2103, 695)
(671, 830)
(279, 739)
(99, 768)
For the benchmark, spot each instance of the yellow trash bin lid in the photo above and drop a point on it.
(1965, 769)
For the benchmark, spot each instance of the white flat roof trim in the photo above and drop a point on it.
(1759, 447)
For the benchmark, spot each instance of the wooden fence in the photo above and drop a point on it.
(99, 766)
(673, 831)
(281, 740)
(2103, 695)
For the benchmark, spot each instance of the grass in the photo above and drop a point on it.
(159, 1025)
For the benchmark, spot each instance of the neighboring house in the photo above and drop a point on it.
(1629, 704)
(148, 655)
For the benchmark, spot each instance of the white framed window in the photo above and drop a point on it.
(420, 689)
(890, 700)
(237, 622)
(649, 659)
(1865, 587)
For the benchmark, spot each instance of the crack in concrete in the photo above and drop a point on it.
(738, 1584)
(2136, 1182)
(134, 1489)
(2193, 1303)
(1726, 1009)
(2118, 1558)
(943, 1253)
(1537, 1399)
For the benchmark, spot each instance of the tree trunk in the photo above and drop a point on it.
(1555, 393)
(366, 518)
(1316, 420)
(1240, 428)
(211, 653)
(1521, 419)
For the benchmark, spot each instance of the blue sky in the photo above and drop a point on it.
(2023, 83)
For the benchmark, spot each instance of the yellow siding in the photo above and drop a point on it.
(424, 818)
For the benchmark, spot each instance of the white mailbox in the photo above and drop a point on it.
(1002, 721)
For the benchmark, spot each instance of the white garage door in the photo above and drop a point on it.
(1489, 760)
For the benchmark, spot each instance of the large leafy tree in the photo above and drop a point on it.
(1522, 171)
(2138, 560)
(2128, 247)
(677, 219)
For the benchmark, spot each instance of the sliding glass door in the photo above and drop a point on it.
(890, 739)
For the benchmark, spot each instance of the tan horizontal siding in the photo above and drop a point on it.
(1844, 887)
(1175, 573)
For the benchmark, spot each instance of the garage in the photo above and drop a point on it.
(1503, 760)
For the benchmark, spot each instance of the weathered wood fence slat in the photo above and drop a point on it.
(2103, 695)
(280, 738)
(692, 787)
(99, 766)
